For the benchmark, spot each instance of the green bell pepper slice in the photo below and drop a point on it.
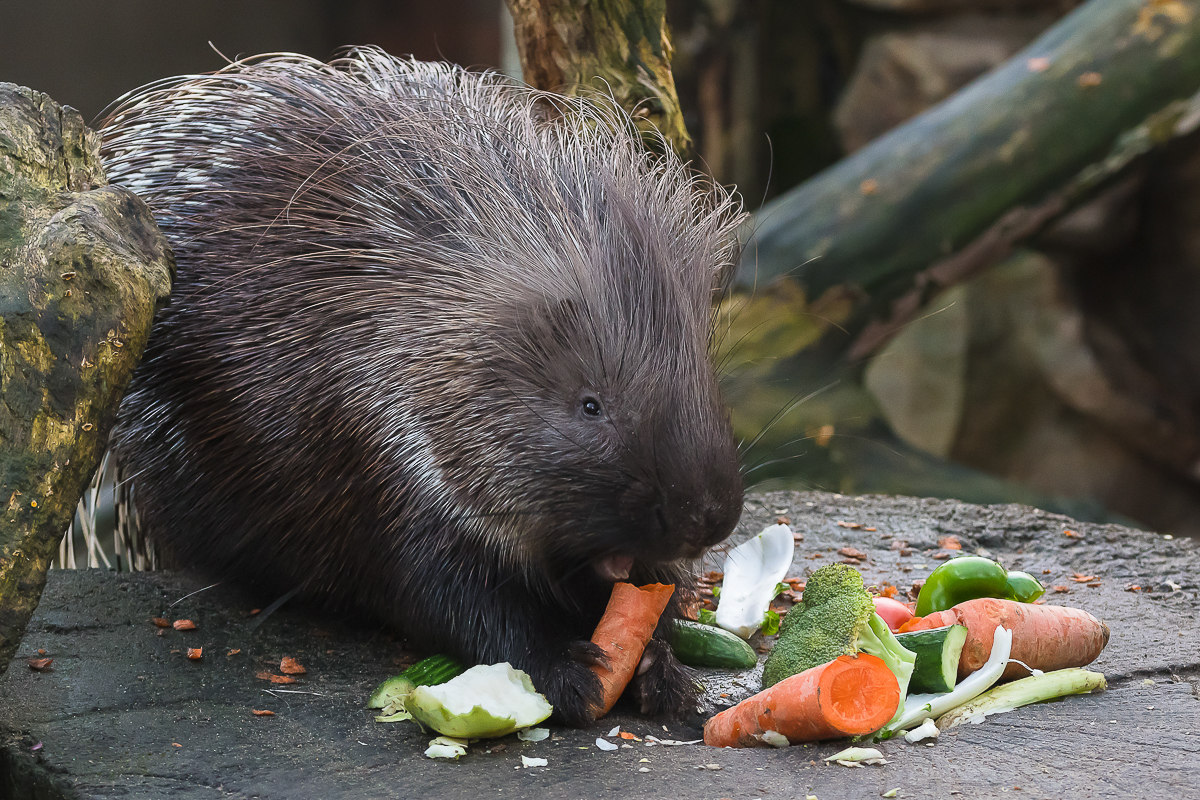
(970, 577)
(1023, 587)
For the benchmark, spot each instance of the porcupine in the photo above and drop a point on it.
(437, 350)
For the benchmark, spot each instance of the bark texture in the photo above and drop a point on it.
(84, 268)
(617, 47)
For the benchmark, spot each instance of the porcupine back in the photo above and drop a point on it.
(432, 351)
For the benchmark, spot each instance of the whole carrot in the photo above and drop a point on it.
(627, 625)
(1044, 637)
(849, 696)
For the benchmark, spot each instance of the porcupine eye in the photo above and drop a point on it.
(590, 406)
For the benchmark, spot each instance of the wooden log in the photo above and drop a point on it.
(988, 164)
(611, 46)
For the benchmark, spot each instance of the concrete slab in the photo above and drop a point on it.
(123, 712)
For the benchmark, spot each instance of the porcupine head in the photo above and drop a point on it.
(437, 348)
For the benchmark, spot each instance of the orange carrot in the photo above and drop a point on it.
(1044, 637)
(849, 696)
(627, 625)
(913, 624)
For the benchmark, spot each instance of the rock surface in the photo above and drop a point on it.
(902, 73)
(124, 711)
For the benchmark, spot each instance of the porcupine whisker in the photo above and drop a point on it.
(796, 400)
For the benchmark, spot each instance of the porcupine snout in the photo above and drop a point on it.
(692, 497)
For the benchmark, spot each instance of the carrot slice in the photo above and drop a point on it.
(627, 625)
(849, 696)
(1044, 637)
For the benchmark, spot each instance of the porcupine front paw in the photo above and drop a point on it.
(569, 683)
(663, 686)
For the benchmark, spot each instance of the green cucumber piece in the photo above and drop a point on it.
(434, 670)
(427, 672)
(938, 651)
(700, 645)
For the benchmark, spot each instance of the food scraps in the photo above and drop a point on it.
(267, 676)
(290, 666)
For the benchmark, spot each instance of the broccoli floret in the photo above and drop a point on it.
(834, 609)
(836, 617)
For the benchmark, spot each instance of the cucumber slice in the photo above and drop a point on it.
(427, 672)
(938, 651)
(700, 645)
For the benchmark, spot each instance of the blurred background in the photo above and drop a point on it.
(1067, 377)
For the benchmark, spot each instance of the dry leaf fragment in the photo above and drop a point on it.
(290, 666)
(940, 556)
(783, 520)
(262, 713)
(950, 543)
(183, 625)
(1072, 535)
(159, 622)
(176, 744)
(1133, 587)
(870, 529)
(41, 652)
(850, 552)
(888, 590)
(266, 676)
(39, 664)
(195, 653)
(1079, 577)
(1062, 589)
(234, 651)
(851, 525)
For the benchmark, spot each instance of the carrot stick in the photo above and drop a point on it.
(627, 625)
(1044, 637)
(849, 696)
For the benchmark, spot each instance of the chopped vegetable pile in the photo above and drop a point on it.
(835, 618)
(976, 625)
(845, 664)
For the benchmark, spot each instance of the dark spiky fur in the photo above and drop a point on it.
(403, 291)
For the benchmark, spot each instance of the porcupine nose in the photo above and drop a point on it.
(710, 524)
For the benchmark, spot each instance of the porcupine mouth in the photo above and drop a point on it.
(614, 568)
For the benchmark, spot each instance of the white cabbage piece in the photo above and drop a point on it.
(752, 571)
(485, 701)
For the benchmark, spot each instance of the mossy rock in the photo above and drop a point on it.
(84, 268)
